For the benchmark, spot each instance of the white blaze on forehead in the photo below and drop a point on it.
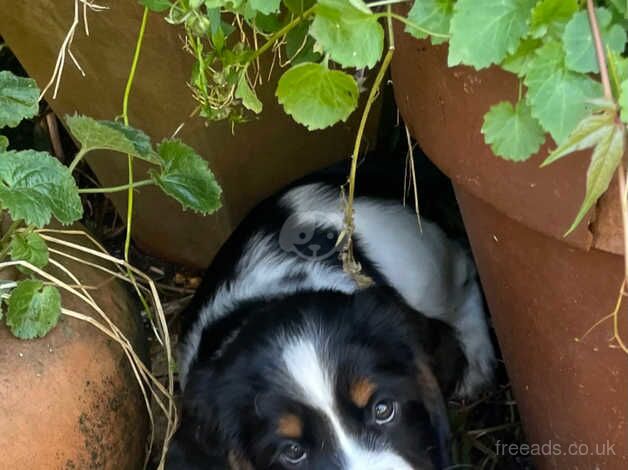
(313, 375)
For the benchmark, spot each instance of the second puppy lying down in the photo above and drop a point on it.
(286, 364)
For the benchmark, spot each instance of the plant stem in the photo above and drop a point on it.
(349, 264)
(113, 189)
(282, 32)
(385, 2)
(599, 50)
(79, 156)
(412, 24)
(125, 117)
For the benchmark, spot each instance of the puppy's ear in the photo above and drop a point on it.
(435, 406)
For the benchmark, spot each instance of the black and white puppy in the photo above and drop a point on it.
(287, 364)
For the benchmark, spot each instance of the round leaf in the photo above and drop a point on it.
(316, 96)
(33, 309)
(352, 37)
(511, 132)
(19, 98)
(29, 247)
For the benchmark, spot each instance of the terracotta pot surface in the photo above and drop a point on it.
(543, 290)
(543, 295)
(444, 109)
(69, 400)
(261, 157)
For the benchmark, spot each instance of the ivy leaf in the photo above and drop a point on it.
(265, 7)
(483, 32)
(4, 143)
(605, 159)
(518, 62)
(352, 37)
(549, 17)
(19, 99)
(33, 309)
(35, 185)
(512, 133)
(186, 177)
(245, 93)
(578, 40)
(316, 96)
(587, 134)
(558, 97)
(109, 135)
(623, 101)
(433, 15)
(156, 5)
(29, 247)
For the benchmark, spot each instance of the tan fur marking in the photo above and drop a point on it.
(290, 426)
(237, 462)
(361, 391)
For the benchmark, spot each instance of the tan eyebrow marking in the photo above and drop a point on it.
(290, 426)
(361, 391)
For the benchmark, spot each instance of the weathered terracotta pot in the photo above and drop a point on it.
(250, 164)
(69, 400)
(543, 290)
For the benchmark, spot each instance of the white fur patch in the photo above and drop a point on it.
(433, 274)
(313, 380)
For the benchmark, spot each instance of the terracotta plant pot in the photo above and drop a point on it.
(543, 290)
(69, 400)
(261, 157)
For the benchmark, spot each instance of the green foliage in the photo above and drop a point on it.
(351, 36)
(316, 96)
(33, 309)
(484, 32)
(19, 99)
(34, 186)
(578, 40)
(108, 135)
(185, 176)
(247, 95)
(431, 15)
(558, 97)
(518, 62)
(29, 247)
(4, 143)
(623, 100)
(549, 17)
(512, 132)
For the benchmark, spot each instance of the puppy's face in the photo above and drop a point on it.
(326, 382)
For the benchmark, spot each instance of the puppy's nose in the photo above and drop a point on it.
(314, 247)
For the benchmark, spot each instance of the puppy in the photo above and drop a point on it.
(286, 364)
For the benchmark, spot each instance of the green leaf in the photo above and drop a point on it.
(587, 134)
(29, 247)
(266, 7)
(484, 32)
(604, 162)
(558, 97)
(4, 143)
(109, 135)
(433, 15)
(316, 96)
(578, 40)
(156, 5)
(33, 309)
(35, 185)
(352, 37)
(512, 133)
(549, 17)
(245, 93)
(19, 99)
(186, 177)
(621, 6)
(300, 45)
(518, 62)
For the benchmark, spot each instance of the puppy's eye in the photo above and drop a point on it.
(293, 454)
(384, 411)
